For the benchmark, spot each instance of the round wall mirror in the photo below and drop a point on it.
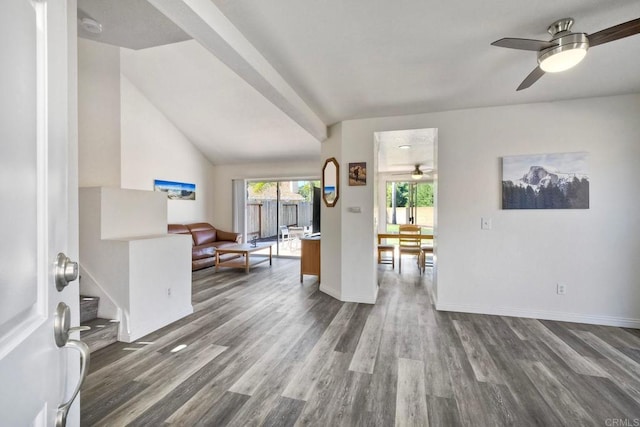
(330, 182)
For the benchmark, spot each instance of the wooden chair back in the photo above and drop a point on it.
(409, 237)
(409, 243)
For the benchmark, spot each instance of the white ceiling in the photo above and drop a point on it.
(134, 24)
(228, 120)
(355, 59)
(394, 157)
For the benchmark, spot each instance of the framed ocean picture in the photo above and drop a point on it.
(545, 181)
(175, 190)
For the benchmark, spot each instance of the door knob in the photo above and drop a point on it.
(62, 325)
(66, 271)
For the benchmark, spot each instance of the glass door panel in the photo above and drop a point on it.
(282, 212)
(412, 204)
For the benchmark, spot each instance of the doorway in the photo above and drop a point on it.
(282, 212)
(407, 186)
(409, 202)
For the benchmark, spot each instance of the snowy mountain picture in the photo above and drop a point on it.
(545, 181)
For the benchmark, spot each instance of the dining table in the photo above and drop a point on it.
(382, 236)
(424, 248)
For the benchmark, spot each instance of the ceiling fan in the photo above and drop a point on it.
(565, 49)
(416, 173)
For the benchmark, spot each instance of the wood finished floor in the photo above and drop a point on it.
(262, 349)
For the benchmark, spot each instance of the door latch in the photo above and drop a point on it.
(66, 271)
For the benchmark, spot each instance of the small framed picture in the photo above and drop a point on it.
(175, 190)
(358, 173)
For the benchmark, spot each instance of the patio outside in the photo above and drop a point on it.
(280, 212)
(412, 204)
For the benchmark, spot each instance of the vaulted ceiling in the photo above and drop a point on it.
(286, 68)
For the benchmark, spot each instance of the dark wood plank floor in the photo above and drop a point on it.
(263, 349)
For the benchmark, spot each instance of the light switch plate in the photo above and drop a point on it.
(485, 223)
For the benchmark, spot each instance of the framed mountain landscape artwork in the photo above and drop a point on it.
(545, 181)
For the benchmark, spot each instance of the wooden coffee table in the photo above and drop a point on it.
(244, 249)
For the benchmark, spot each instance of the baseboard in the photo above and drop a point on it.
(143, 330)
(542, 315)
(330, 292)
(342, 298)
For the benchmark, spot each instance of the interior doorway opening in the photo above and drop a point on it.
(407, 193)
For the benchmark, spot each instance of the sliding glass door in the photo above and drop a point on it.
(282, 212)
(410, 203)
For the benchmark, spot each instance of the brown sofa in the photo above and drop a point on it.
(206, 239)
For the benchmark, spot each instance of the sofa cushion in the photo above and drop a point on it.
(177, 229)
(202, 233)
(204, 251)
(197, 226)
(203, 237)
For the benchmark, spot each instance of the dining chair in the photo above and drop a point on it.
(409, 243)
(426, 250)
(387, 249)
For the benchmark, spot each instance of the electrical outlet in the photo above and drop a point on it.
(561, 289)
(168, 292)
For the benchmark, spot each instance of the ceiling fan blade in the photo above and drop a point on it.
(615, 33)
(531, 78)
(523, 44)
(426, 172)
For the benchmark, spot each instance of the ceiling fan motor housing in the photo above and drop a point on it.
(560, 26)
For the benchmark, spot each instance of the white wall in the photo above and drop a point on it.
(223, 175)
(98, 114)
(159, 283)
(128, 213)
(153, 148)
(331, 221)
(132, 275)
(125, 142)
(362, 284)
(513, 269)
(340, 252)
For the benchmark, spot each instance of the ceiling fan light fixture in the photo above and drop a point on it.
(417, 173)
(572, 49)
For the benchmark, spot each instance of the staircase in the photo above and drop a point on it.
(103, 331)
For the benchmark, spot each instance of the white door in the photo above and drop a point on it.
(38, 207)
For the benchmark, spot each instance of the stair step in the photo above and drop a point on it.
(103, 332)
(88, 308)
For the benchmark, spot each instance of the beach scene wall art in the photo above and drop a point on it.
(175, 190)
(545, 181)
